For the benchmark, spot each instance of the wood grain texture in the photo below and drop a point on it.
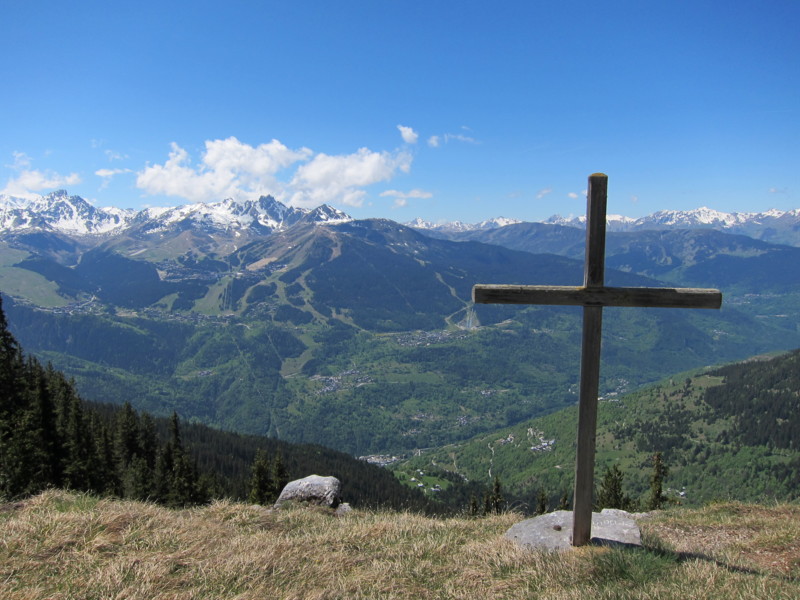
(597, 296)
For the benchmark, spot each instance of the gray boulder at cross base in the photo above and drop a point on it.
(553, 531)
(314, 489)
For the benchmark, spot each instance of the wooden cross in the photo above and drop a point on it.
(593, 296)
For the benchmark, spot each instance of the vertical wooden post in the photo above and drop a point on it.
(594, 274)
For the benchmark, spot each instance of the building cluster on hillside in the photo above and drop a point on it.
(349, 379)
(541, 444)
(426, 338)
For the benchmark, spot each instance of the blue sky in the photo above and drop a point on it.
(444, 110)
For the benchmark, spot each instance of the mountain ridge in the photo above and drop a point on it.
(74, 216)
(775, 226)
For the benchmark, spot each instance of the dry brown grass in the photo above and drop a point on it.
(59, 546)
(740, 535)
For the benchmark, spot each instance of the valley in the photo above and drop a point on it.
(361, 335)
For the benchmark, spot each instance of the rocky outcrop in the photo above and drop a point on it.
(553, 531)
(321, 491)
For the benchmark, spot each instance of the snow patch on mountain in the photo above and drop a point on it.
(457, 226)
(61, 212)
(72, 215)
(702, 217)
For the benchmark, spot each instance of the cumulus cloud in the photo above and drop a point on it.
(409, 135)
(402, 198)
(228, 169)
(573, 195)
(330, 179)
(433, 141)
(232, 169)
(543, 192)
(29, 183)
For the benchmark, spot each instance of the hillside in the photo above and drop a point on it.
(725, 433)
(60, 545)
(51, 438)
(360, 335)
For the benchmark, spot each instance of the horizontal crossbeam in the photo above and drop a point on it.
(597, 296)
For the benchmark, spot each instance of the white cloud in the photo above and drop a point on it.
(21, 161)
(542, 193)
(573, 195)
(459, 138)
(108, 174)
(331, 179)
(415, 193)
(409, 135)
(105, 173)
(29, 182)
(437, 140)
(229, 169)
(402, 198)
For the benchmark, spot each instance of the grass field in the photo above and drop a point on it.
(60, 545)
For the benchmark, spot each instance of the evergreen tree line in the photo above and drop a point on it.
(609, 494)
(50, 437)
(763, 396)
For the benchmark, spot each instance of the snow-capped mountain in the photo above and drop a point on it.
(60, 212)
(699, 218)
(773, 225)
(458, 226)
(72, 215)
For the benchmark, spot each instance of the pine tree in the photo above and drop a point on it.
(496, 500)
(280, 476)
(80, 449)
(542, 502)
(182, 487)
(610, 494)
(45, 437)
(657, 498)
(563, 502)
(473, 506)
(261, 482)
(162, 484)
(13, 441)
(126, 436)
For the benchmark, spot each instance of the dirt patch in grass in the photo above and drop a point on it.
(739, 535)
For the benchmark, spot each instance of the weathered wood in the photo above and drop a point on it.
(587, 426)
(593, 278)
(598, 296)
(595, 260)
(593, 296)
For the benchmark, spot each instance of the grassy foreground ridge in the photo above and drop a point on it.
(60, 545)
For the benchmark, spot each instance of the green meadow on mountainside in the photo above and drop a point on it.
(725, 433)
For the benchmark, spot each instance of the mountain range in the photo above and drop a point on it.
(72, 215)
(360, 334)
(775, 226)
